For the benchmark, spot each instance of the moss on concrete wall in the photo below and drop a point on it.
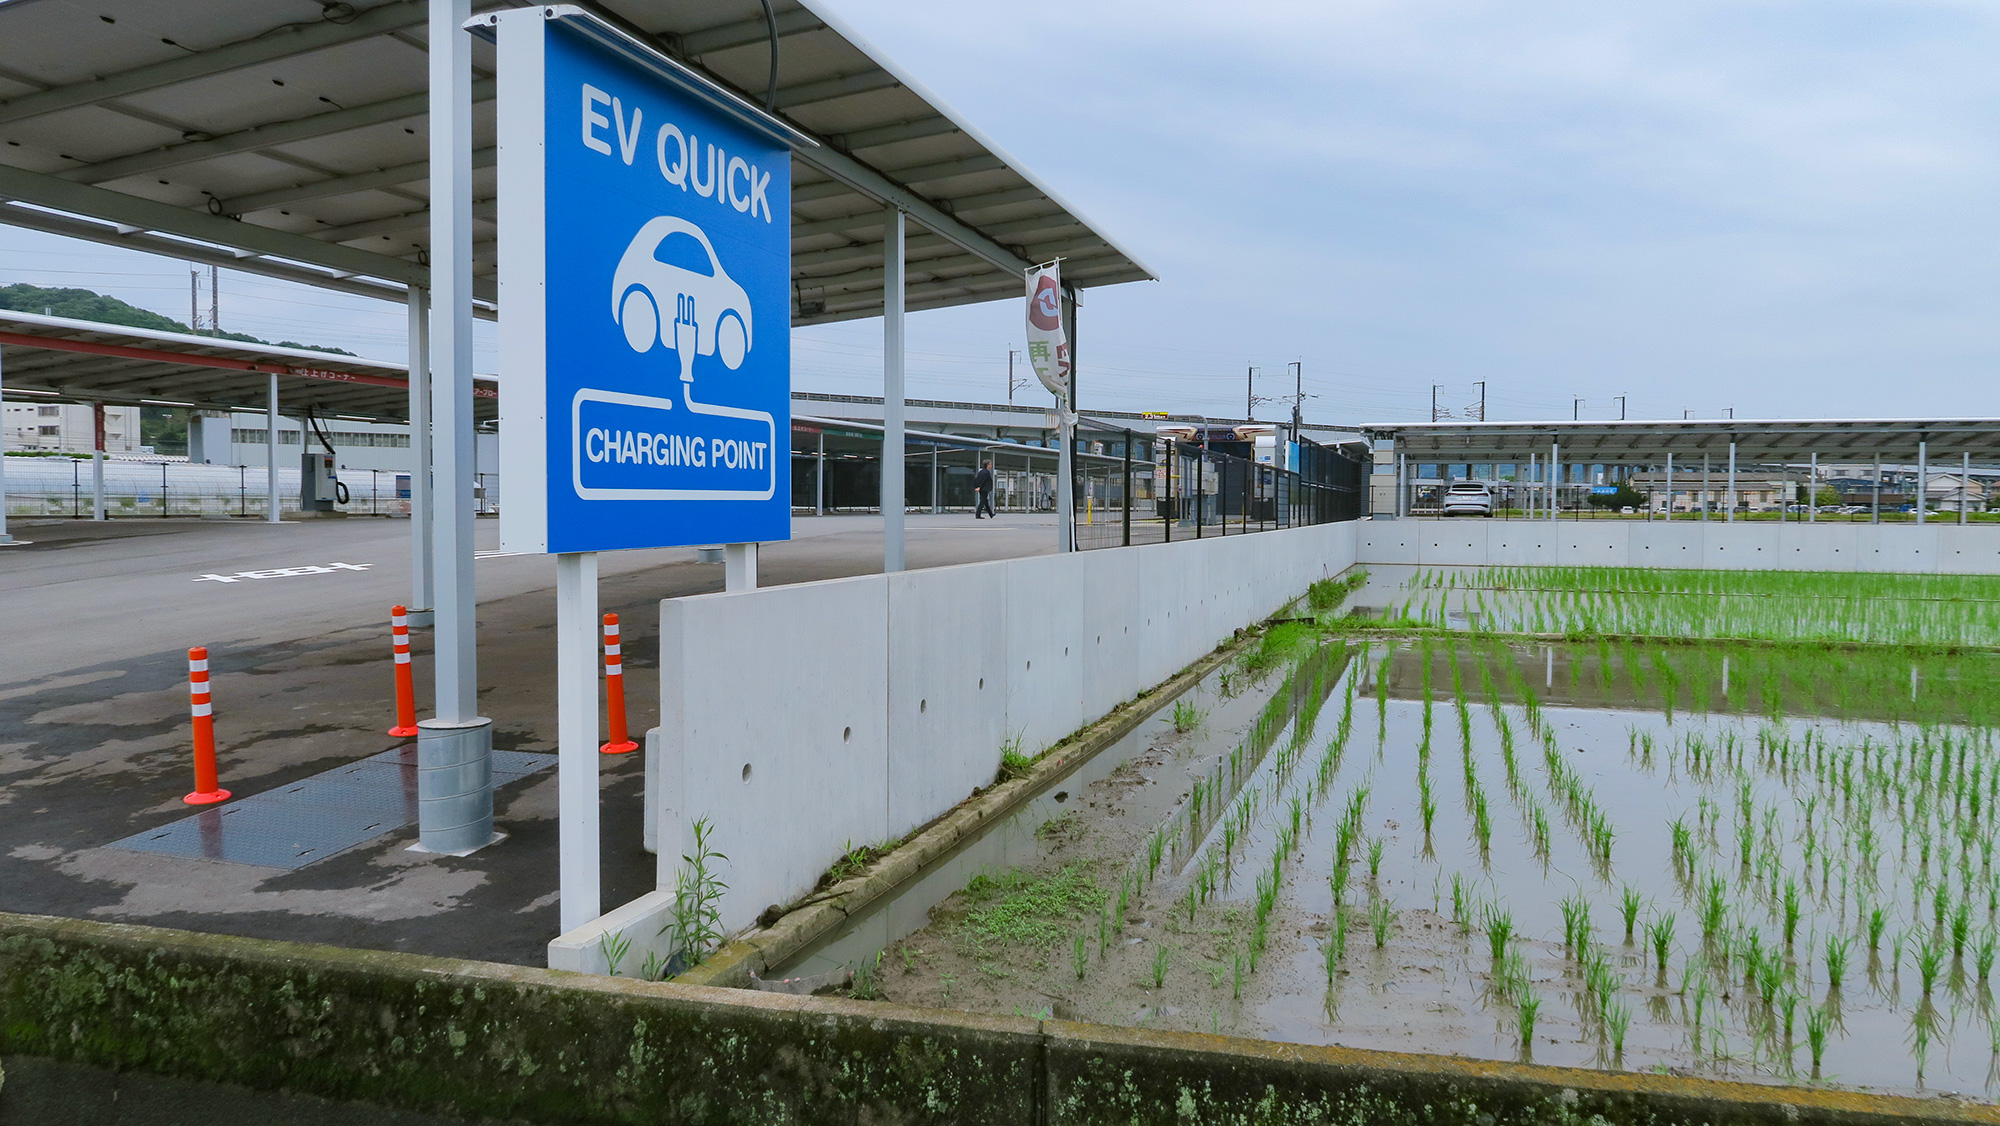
(478, 1039)
(471, 1038)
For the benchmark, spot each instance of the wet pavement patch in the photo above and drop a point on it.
(313, 818)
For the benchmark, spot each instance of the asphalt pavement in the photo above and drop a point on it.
(95, 746)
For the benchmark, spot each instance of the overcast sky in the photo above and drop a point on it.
(1785, 208)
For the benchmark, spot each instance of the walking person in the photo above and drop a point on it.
(982, 488)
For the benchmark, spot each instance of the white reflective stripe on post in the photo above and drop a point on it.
(611, 650)
(198, 666)
(402, 656)
(202, 709)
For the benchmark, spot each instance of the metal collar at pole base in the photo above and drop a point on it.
(423, 617)
(455, 786)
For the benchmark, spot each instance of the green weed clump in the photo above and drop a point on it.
(1022, 910)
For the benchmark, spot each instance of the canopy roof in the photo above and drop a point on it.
(289, 138)
(1639, 441)
(86, 361)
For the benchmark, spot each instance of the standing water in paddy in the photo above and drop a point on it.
(1757, 860)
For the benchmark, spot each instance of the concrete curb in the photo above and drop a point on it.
(762, 949)
(480, 1039)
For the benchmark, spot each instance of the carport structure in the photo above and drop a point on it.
(60, 359)
(1546, 454)
(350, 145)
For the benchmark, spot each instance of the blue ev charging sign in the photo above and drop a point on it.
(645, 270)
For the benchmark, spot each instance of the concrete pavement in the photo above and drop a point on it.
(94, 727)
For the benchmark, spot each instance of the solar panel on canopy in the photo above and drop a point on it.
(289, 138)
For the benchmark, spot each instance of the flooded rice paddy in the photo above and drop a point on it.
(1768, 860)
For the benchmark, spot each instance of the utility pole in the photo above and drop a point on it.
(1575, 409)
(1730, 411)
(1621, 408)
(1482, 400)
(1250, 393)
(214, 301)
(1011, 353)
(194, 299)
(1434, 402)
(1299, 395)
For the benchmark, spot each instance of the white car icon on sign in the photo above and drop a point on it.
(671, 257)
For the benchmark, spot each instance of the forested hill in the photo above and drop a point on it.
(84, 305)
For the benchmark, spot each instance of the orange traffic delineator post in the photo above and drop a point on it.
(406, 690)
(207, 791)
(614, 690)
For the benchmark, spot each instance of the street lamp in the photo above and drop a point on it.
(1012, 383)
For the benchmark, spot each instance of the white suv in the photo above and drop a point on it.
(1469, 498)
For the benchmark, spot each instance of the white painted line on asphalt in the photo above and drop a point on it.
(496, 553)
(282, 572)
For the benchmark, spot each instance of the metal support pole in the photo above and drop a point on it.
(271, 512)
(1704, 487)
(739, 566)
(1964, 491)
(455, 748)
(4, 537)
(1730, 494)
(577, 836)
(1923, 477)
(97, 511)
(1555, 479)
(1812, 489)
(1200, 467)
(819, 478)
(1534, 478)
(1670, 488)
(423, 584)
(1875, 507)
(892, 390)
(1127, 493)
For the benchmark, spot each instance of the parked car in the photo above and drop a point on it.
(1469, 498)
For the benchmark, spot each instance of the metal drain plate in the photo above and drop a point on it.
(313, 818)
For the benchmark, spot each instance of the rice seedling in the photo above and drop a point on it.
(1079, 957)
(1792, 909)
(1336, 943)
(1989, 945)
(1381, 917)
(1527, 1007)
(1617, 1022)
(1819, 1021)
(1629, 903)
(1660, 936)
(1929, 959)
(1836, 959)
(1375, 848)
(1499, 931)
(1161, 958)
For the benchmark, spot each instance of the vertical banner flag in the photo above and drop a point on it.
(645, 275)
(1048, 344)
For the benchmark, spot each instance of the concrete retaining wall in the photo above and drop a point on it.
(472, 1039)
(802, 720)
(1695, 545)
